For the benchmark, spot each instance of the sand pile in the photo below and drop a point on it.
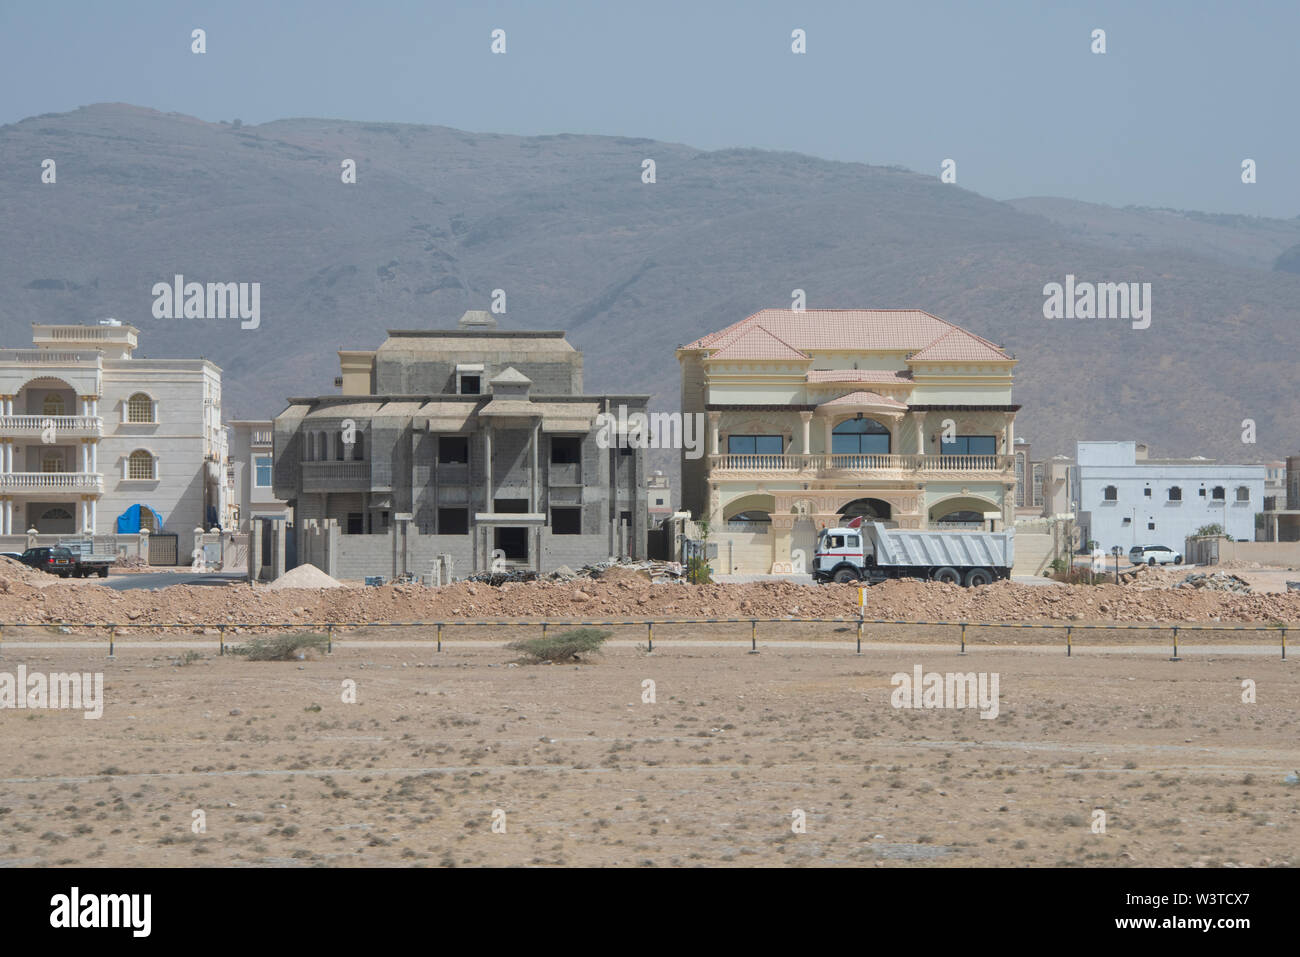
(304, 576)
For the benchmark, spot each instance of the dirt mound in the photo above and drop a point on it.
(15, 571)
(304, 576)
(304, 596)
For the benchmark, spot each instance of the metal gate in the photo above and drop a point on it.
(162, 548)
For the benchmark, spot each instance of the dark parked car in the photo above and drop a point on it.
(56, 561)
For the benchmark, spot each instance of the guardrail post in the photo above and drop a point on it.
(1175, 657)
(859, 636)
(650, 637)
(329, 639)
(1068, 631)
(544, 629)
(2, 635)
(440, 636)
(112, 633)
(963, 639)
(753, 637)
(1284, 644)
(221, 639)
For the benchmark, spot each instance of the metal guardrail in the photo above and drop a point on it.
(1281, 627)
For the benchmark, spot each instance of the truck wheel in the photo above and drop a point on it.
(947, 575)
(1151, 562)
(845, 575)
(978, 576)
(103, 572)
(1178, 559)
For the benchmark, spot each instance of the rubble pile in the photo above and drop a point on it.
(623, 592)
(1216, 581)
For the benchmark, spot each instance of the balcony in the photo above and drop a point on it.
(62, 482)
(877, 466)
(335, 476)
(64, 426)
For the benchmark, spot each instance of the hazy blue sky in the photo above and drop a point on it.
(1011, 91)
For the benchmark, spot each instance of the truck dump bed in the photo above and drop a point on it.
(898, 546)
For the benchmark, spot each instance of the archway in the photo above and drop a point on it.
(965, 511)
(56, 520)
(868, 509)
(860, 436)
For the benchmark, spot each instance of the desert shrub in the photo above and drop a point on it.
(565, 646)
(698, 572)
(280, 647)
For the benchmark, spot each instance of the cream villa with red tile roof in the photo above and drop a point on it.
(822, 415)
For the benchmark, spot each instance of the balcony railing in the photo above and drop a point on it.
(335, 476)
(261, 438)
(51, 482)
(69, 426)
(864, 462)
(46, 357)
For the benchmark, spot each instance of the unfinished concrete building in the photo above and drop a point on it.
(473, 443)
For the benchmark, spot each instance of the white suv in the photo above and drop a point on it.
(1154, 555)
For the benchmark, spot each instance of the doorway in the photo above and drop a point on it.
(514, 542)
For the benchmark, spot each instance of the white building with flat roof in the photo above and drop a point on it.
(88, 431)
(1124, 498)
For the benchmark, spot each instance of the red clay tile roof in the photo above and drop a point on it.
(959, 346)
(757, 343)
(858, 330)
(867, 399)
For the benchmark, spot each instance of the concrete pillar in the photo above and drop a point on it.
(277, 559)
(918, 419)
(487, 467)
(826, 423)
(254, 550)
(94, 456)
(532, 483)
(94, 517)
(7, 517)
(806, 418)
(714, 421)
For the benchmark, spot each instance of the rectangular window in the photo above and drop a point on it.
(1175, 494)
(1111, 493)
(970, 445)
(566, 449)
(755, 444)
(262, 471)
(1127, 521)
(1146, 492)
(453, 521)
(453, 450)
(566, 521)
(470, 385)
(1202, 493)
(510, 506)
(1151, 526)
(356, 525)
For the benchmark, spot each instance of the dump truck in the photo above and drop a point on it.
(87, 561)
(872, 553)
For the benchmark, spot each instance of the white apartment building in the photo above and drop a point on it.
(87, 431)
(1126, 499)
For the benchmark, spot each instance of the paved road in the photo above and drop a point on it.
(163, 579)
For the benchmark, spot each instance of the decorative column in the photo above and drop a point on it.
(806, 419)
(715, 419)
(826, 422)
(918, 419)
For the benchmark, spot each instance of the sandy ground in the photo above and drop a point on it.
(710, 773)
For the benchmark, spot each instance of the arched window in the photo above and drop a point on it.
(52, 463)
(140, 465)
(53, 404)
(860, 437)
(1243, 493)
(139, 408)
(322, 448)
(1110, 493)
(146, 519)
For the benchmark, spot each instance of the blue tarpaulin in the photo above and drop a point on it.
(128, 522)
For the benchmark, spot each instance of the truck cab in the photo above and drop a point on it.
(840, 555)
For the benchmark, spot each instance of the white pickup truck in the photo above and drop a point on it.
(86, 560)
(872, 553)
